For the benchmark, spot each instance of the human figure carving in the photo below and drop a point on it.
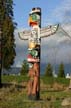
(33, 84)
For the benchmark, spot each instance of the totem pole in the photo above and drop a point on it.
(34, 46)
(33, 57)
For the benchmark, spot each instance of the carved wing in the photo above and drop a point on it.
(44, 32)
(24, 35)
(47, 31)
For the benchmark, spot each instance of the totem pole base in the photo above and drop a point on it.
(34, 97)
(38, 95)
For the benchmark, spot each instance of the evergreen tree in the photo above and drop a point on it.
(7, 26)
(49, 70)
(61, 72)
(24, 69)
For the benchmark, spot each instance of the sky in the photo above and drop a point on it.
(53, 12)
(54, 49)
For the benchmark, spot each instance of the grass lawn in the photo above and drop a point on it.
(13, 94)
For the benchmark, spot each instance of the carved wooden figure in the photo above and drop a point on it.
(34, 37)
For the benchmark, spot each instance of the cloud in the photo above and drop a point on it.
(67, 28)
(61, 13)
(21, 50)
(56, 47)
(18, 41)
(64, 54)
(58, 54)
(18, 64)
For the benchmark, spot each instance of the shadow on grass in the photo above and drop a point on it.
(8, 85)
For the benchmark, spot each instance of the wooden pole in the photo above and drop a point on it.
(33, 57)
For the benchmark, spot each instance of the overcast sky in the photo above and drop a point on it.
(56, 48)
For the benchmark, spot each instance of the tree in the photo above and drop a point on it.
(7, 27)
(49, 70)
(61, 72)
(24, 69)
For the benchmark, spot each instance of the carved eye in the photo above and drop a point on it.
(33, 32)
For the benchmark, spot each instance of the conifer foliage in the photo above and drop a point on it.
(25, 68)
(61, 72)
(7, 26)
(49, 70)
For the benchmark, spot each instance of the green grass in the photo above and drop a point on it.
(51, 80)
(14, 97)
(46, 80)
(11, 78)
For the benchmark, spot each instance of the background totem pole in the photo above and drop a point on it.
(33, 57)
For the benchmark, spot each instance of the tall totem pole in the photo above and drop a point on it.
(33, 57)
(34, 37)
